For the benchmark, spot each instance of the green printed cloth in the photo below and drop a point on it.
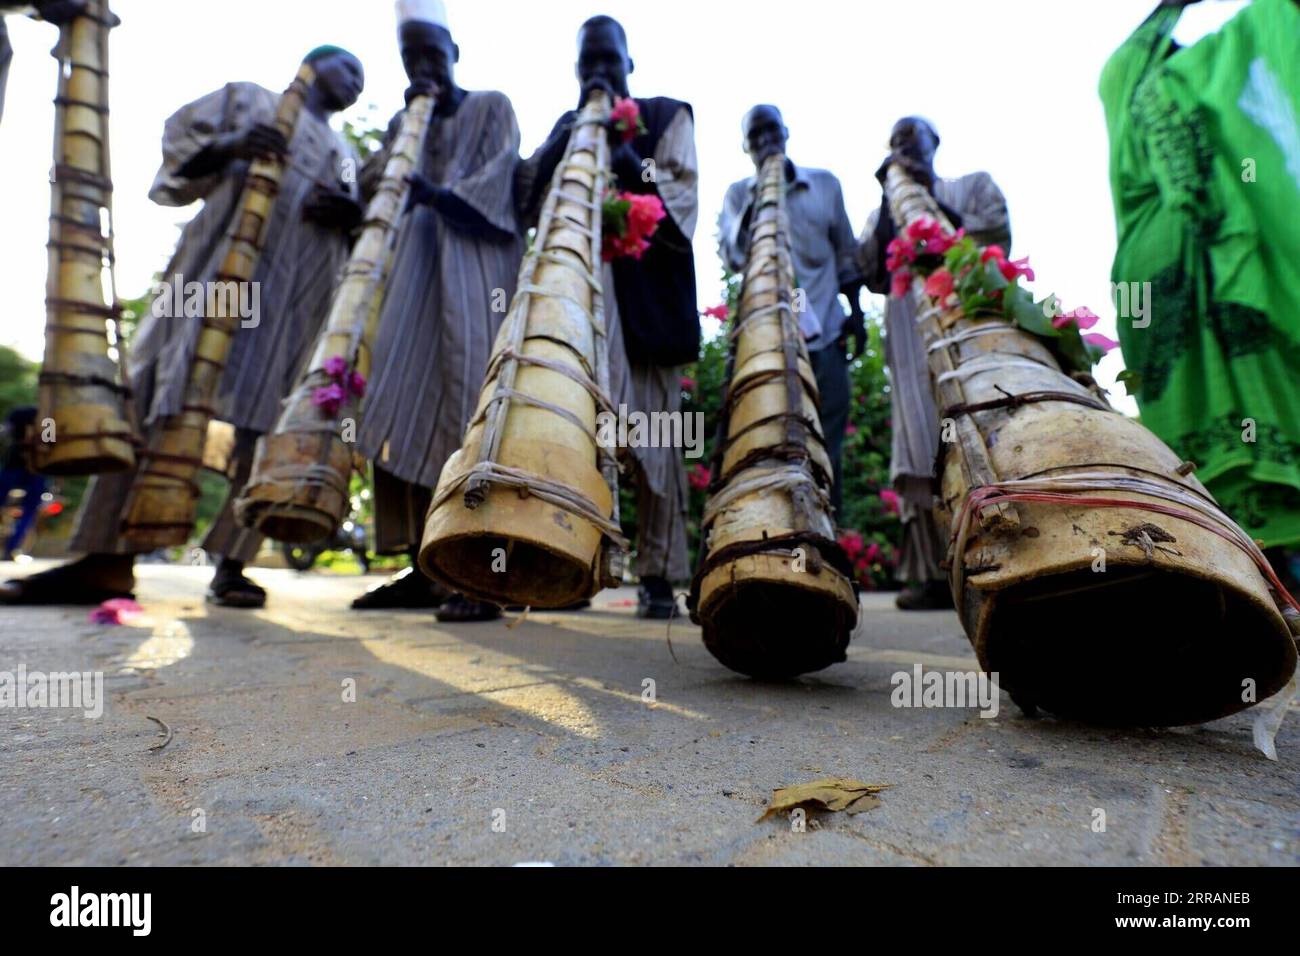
(1205, 172)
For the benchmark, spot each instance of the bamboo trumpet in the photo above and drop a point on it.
(526, 512)
(774, 590)
(160, 509)
(1093, 573)
(298, 489)
(82, 419)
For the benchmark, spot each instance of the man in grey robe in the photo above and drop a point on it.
(975, 203)
(650, 304)
(207, 149)
(453, 275)
(823, 248)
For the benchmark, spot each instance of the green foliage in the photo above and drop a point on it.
(866, 465)
(1131, 380)
(17, 380)
(366, 138)
(212, 495)
(132, 310)
(982, 288)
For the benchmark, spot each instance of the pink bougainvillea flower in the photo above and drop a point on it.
(645, 214)
(115, 611)
(629, 221)
(1083, 317)
(902, 282)
(943, 241)
(626, 116)
(872, 554)
(625, 110)
(992, 252)
(1101, 341)
(631, 237)
(924, 229)
(329, 398)
(851, 543)
(889, 498)
(899, 253)
(336, 367)
(688, 383)
(939, 284)
(357, 384)
(850, 429)
(698, 477)
(1014, 269)
(719, 312)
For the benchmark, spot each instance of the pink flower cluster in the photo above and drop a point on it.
(860, 554)
(1084, 318)
(719, 312)
(698, 477)
(939, 285)
(643, 216)
(924, 237)
(346, 384)
(889, 498)
(626, 117)
(1011, 269)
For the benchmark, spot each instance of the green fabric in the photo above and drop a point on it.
(1221, 254)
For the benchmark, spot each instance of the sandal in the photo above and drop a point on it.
(236, 592)
(655, 600)
(459, 609)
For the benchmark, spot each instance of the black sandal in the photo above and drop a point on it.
(655, 600)
(459, 609)
(236, 592)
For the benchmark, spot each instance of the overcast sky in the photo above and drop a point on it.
(1011, 86)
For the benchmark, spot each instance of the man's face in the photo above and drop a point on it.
(603, 55)
(340, 78)
(913, 139)
(765, 134)
(428, 53)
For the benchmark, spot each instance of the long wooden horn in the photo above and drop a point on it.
(1093, 573)
(82, 419)
(774, 590)
(298, 489)
(526, 511)
(160, 509)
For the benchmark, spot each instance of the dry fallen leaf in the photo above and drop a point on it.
(831, 793)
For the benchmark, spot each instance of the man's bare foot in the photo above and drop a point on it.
(90, 580)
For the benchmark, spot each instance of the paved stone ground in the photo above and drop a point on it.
(539, 724)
